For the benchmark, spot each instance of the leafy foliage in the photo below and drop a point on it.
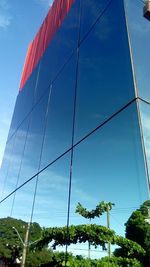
(138, 229)
(130, 252)
(10, 244)
(37, 258)
(97, 235)
(97, 212)
(58, 260)
(130, 249)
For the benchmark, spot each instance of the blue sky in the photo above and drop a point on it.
(19, 22)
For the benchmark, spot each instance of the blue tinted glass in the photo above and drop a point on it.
(91, 11)
(6, 207)
(109, 166)
(59, 49)
(16, 157)
(139, 30)
(24, 102)
(23, 202)
(34, 141)
(5, 167)
(52, 194)
(105, 81)
(14, 121)
(145, 115)
(58, 133)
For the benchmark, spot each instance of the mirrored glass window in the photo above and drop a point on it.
(60, 49)
(5, 207)
(59, 126)
(109, 166)
(13, 172)
(91, 11)
(32, 153)
(23, 202)
(139, 30)
(145, 120)
(105, 81)
(6, 167)
(52, 194)
(24, 102)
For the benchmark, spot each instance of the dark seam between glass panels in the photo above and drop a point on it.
(73, 125)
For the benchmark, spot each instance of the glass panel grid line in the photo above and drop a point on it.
(68, 150)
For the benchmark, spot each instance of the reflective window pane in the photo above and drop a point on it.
(91, 11)
(52, 194)
(6, 207)
(145, 115)
(24, 102)
(139, 30)
(109, 166)
(23, 202)
(32, 153)
(60, 49)
(58, 133)
(105, 81)
(11, 179)
(6, 163)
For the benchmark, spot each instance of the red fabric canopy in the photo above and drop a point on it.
(37, 47)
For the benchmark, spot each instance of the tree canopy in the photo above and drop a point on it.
(101, 208)
(10, 244)
(134, 249)
(138, 229)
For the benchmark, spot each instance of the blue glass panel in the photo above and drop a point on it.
(105, 82)
(23, 202)
(6, 207)
(59, 49)
(139, 30)
(145, 115)
(91, 11)
(5, 167)
(11, 179)
(32, 153)
(109, 166)
(52, 194)
(58, 133)
(24, 102)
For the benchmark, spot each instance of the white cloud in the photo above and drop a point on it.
(4, 4)
(5, 18)
(5, 21)
(45, 3)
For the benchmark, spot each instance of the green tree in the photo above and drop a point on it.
(10, 245)
(138, 229)
(97, 235)
(100, 209)
(36, 258)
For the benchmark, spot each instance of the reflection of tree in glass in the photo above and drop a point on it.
(96, 235)
(130, 253)
(138, 229)
(101, 208)
(10, 245)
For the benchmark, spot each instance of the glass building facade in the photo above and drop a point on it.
(80, 130)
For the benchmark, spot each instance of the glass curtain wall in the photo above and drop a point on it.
(139, 32)
(76, 131)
